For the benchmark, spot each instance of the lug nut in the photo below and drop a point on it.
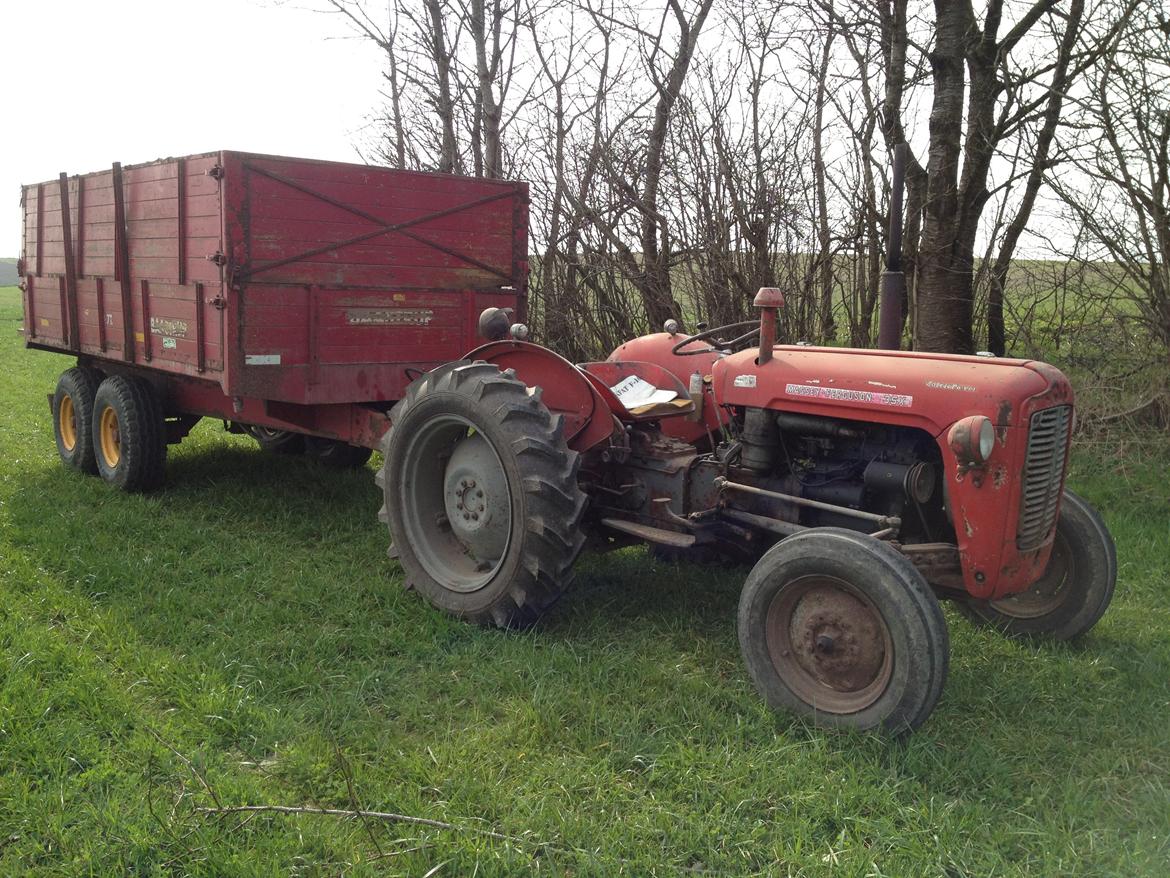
(824, 643)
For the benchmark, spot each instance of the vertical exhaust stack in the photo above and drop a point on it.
(894, 278)
(768, 300)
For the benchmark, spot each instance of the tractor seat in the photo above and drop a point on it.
(636, 391)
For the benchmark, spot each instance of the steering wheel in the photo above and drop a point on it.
(740, 341)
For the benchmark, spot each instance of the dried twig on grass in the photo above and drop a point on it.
(195, 771)
(360, 814)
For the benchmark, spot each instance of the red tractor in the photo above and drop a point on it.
(320, 307)
(864, 485)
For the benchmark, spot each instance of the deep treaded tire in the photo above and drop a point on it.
(335, 454)
(129, 434)
(481, 495)
(73, 417)
(1074, 592)
(842, 629)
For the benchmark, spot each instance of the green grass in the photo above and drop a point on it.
(247, 618)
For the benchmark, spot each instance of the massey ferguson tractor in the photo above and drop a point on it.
(340, 306)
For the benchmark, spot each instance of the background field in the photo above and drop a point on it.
(241, 637)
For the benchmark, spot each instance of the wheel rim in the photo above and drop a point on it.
(455, 502)
(67, 422)
(1049, 591)
(111, 439)
(829, 644)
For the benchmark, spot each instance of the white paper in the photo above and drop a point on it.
(635, 393)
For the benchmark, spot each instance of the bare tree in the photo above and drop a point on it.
(1121, 145)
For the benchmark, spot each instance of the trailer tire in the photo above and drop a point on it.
(1075, 590)
(481, 495)
(276, 441)
(73, 417)
(336, 454)
(129, 434)
(841, 629)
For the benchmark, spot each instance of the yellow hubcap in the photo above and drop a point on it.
(67, 423)
(111, 440)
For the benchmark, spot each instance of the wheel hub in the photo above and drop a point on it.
(456, 506)
(829, 644)
(473, 487)
(836, 639)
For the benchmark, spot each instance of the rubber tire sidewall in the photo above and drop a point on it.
(142, 437)
(1095, 562)
(80, 385)
(481, 600)
(917, 628)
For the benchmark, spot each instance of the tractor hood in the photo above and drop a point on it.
(928, 391)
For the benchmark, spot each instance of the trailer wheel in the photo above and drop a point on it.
(840, 628)
(481, 495)
(1075, 590)
(276, 441)
(336, 454)
(129, 434)
(73, 417)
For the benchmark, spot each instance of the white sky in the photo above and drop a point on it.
(90, 82)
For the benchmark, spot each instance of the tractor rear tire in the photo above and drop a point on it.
(336, 454)
(276, 441)
(481, 495)
(841, 629)
(129, 434)
(1075, 590)
(73, 417)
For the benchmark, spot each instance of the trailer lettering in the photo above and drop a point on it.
(168, 326)
(389, 316)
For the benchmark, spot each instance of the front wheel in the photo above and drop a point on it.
(481, 495)
(1074, 591)
(840, 628)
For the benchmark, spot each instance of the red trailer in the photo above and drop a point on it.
(296, 297)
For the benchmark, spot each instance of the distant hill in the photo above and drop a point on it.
(8, 276)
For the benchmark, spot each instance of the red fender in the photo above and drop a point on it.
(564, 389)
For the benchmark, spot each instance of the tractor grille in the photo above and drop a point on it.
(1043, 475)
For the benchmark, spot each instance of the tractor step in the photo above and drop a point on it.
(651, 534)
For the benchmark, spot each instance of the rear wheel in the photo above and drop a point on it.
(1075, 590)
(840, 628)
(481, 495)
(73, 417)
(129, 434)
(276, 441)
(336, 454)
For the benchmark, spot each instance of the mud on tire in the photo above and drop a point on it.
(481, 495)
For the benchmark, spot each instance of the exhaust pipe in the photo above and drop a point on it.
(893, 278)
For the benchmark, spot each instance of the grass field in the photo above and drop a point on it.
(241, 638)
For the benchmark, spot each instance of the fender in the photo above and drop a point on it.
(564, 388)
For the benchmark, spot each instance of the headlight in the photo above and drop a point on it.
(972, 439)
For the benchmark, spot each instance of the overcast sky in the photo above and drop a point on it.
(86, 84)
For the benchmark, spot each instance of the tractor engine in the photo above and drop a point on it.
(659, 488)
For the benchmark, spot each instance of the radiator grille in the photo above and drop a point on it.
(1043, 475)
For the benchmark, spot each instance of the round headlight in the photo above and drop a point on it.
(986, 439)
(972, 439)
